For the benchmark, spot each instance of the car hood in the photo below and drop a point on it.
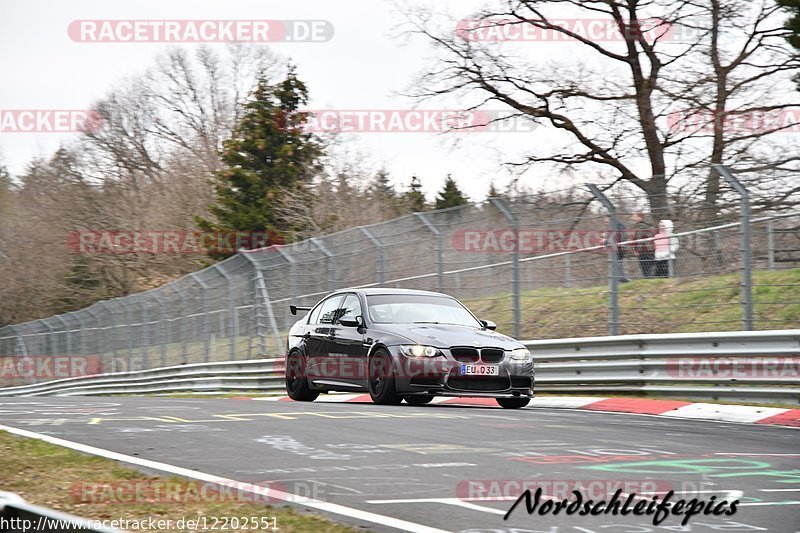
(444, 336)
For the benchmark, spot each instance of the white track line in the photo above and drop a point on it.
(246, 487)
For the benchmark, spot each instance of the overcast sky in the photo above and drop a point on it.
(364, 66)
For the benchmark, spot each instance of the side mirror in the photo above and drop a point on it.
(350, 321)
(488, 324)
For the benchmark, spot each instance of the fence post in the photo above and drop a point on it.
(746, 249)
(292, 273)
(261, 300)
(232, 314)
(770, 245)
(164, 327)
(515, 274)
(379, 247)
(206, 326)
(79, 316)
(145, 334)
(614, 269)
(98, 338)
(330, 260)
(66, 335)
(568, 270)
(438, 249)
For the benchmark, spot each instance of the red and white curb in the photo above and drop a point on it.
(672, 408)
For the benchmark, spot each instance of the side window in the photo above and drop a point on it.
(328, 310)
(312, 319)
(350, 307)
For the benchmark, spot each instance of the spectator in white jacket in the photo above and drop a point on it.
(666, 244)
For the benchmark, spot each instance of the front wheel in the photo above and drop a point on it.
(382, 388)
(296, 383)
(513, 403)
(419, 399)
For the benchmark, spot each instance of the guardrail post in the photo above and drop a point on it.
(746, 248)
(614, 268)
(233, 318)
(515, 273)
(770, 245)
(206, 326)
(330, 261)
(379, 247)
(438, 249)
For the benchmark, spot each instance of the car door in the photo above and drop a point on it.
(347, 343)
(318, 336)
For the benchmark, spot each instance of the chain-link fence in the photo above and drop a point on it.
(569, 263)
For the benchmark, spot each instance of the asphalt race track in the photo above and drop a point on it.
(452, 468)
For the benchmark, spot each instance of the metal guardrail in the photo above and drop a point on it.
(18, 515)
(762, 366)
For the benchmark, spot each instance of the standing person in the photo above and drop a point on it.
(614, 237)
(644, 250)
(666, 244)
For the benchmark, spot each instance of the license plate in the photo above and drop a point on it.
(480, 370)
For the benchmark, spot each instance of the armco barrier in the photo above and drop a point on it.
(762, 367)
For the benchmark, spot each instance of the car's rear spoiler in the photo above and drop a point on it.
(294, 309)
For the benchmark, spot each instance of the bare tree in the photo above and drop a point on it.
(625, 108)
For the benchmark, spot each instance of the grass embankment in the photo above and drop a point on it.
(650, 306)
(54, 477)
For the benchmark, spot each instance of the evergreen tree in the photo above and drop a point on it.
(414, 198)
(381, 186)
(268, 158)
(793, 25)
(450, 195)
(493, 192)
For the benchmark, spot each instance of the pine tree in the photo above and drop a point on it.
(793, 25)
(381, 187)
(450, 195)
(415, 199)
(493, 192)
(268, 157)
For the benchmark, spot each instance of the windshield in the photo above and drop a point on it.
(418, 309)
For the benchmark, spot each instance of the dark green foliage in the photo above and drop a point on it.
(268, 160)
(450, 195)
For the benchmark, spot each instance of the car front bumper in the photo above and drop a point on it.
(443, 376)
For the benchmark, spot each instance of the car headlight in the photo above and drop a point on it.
(416, 350)
(520, 354)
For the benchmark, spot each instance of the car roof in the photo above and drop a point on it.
(389, 290)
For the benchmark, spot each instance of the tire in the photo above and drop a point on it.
(296, 383)
(513, 403)
(419, 399)
(382, 386)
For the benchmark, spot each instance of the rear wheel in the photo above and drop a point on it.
(513, 403)
(296, 383)
(419, 399)
(382, 387)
